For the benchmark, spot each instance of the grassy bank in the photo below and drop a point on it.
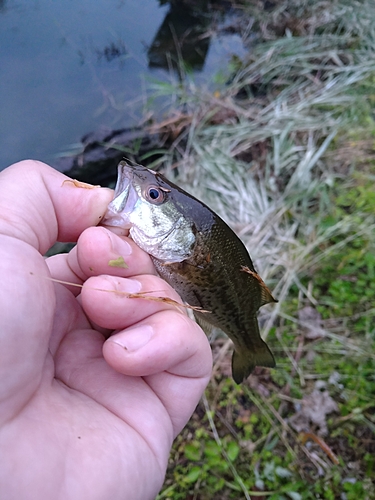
(284, 152)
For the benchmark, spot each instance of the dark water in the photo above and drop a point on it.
(70, 67)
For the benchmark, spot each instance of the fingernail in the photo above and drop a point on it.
(127, 285)
(134, 338)
(119, 246)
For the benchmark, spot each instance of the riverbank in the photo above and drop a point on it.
(285, 154)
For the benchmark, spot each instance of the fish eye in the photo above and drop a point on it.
(154, 195)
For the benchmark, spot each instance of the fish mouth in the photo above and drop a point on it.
(125, 198)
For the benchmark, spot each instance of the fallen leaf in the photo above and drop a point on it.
(314, 409)
(119, 262)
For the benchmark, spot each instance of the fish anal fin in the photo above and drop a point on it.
(250, 352)
(245, 360)
(242, 366)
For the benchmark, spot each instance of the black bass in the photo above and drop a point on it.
(198, 255)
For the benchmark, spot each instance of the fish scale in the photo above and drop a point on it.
(198, 254)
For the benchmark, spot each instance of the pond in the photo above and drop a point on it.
(69, 68)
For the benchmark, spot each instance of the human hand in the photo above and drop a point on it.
(84, 415)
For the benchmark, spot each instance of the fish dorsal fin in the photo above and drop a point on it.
(265, 293)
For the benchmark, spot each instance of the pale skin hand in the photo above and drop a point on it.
(82, 416)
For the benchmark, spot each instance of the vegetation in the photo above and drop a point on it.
(284, 152)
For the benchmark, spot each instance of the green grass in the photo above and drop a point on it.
(284, 152)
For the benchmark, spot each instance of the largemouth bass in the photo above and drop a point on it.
(197, 253)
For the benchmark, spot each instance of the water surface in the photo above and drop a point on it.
(72, 67)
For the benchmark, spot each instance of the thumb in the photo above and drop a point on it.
(40, 206)
(36, 209)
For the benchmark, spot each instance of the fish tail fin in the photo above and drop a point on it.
(247, 357)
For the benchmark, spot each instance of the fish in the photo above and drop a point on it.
(199, 255)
